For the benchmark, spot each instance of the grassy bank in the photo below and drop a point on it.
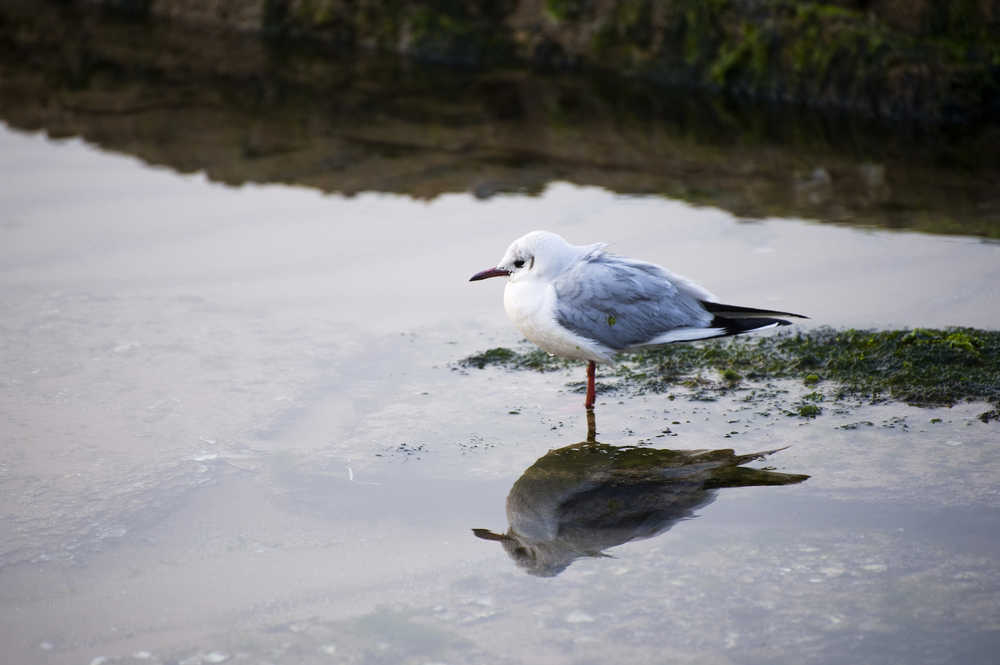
(937, 61)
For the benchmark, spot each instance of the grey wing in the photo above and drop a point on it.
(623, 303)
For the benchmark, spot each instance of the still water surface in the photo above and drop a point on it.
(234, 430)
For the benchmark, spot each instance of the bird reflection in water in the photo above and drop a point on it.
(582, 499)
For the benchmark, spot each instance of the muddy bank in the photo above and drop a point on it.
(930, 60)
(923, 367)
(245, 110)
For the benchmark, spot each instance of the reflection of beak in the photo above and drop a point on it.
(492, 272)
(486, 534)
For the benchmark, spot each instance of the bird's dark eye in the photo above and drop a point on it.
(519, 263)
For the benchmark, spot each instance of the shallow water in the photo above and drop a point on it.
(235, 430)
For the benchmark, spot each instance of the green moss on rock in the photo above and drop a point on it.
(924, 367)
(827, 54)
(535, 359)
(809, 410)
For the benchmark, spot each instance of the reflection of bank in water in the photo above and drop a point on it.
(243, 110)
(579, 500)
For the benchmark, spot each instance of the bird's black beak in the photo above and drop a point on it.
(492, 272)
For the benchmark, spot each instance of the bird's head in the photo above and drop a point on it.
(538, 254)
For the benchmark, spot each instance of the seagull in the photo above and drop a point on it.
(582, 302)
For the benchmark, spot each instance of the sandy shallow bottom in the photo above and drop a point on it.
(234, 430)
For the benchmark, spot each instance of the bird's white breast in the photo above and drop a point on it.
(531, 306)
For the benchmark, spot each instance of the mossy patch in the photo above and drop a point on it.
(535, 359)
(818, 53)
(809, 410)
(731, 375)
(922, 367)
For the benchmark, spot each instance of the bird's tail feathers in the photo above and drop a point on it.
(719, 326)
(738, 326)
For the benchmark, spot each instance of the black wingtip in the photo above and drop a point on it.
(738, 312)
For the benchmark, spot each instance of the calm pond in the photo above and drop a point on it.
(235, 427)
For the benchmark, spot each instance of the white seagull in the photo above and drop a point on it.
(579, 301)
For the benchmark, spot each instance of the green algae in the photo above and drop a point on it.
(731, 375)
(922, 366)
(809, 410)
(535, 359)
(880, 61)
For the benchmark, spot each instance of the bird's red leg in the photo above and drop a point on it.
(591, 427)
(591, 369)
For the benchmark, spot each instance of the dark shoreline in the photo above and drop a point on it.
(924, 61)
(247, 110)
